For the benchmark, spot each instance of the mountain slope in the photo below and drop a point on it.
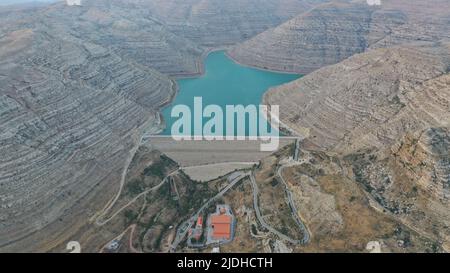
(410, 180)
(70, 113)
(371, 99)
(333, 32)
(78, 85)
(214, 23)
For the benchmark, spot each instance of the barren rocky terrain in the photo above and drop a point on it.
(332, 32)
(387, 112)
(410, 180)
(370, 99)
(80, 85)
(70, 113)
(213, 23)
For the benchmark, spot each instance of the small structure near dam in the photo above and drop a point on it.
(73, 2)
(219, 228)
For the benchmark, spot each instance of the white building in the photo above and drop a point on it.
(374, 2)
(215, 250)
(73, 2)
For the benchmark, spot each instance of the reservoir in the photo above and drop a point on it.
(224, 83)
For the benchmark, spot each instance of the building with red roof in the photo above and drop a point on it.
(221, 225)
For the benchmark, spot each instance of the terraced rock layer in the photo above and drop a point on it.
(128, 31)
(70, 112)
(370, 99)
(77, 87)
(388, 110)
(332, 32)
(79, 84)
(214, 23)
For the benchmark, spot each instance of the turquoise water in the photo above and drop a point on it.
(224, 83)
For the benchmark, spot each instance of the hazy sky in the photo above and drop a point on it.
(9, 2)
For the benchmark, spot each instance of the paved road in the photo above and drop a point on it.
(184, 227)
(295, 214)
(261, 219)
(297, 149)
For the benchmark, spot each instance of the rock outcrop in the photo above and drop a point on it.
(387, 112)
(332, 32)
(70, 112)
(213, 23)
(427, 153)
(128, 31)
(410, 180)
(370, 99)
(79, 84)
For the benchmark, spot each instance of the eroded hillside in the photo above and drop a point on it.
(386, 113)
(65, 126)
(371, 99)
(332, 32)
(214, 23)
(410, 180)
(79, 84)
